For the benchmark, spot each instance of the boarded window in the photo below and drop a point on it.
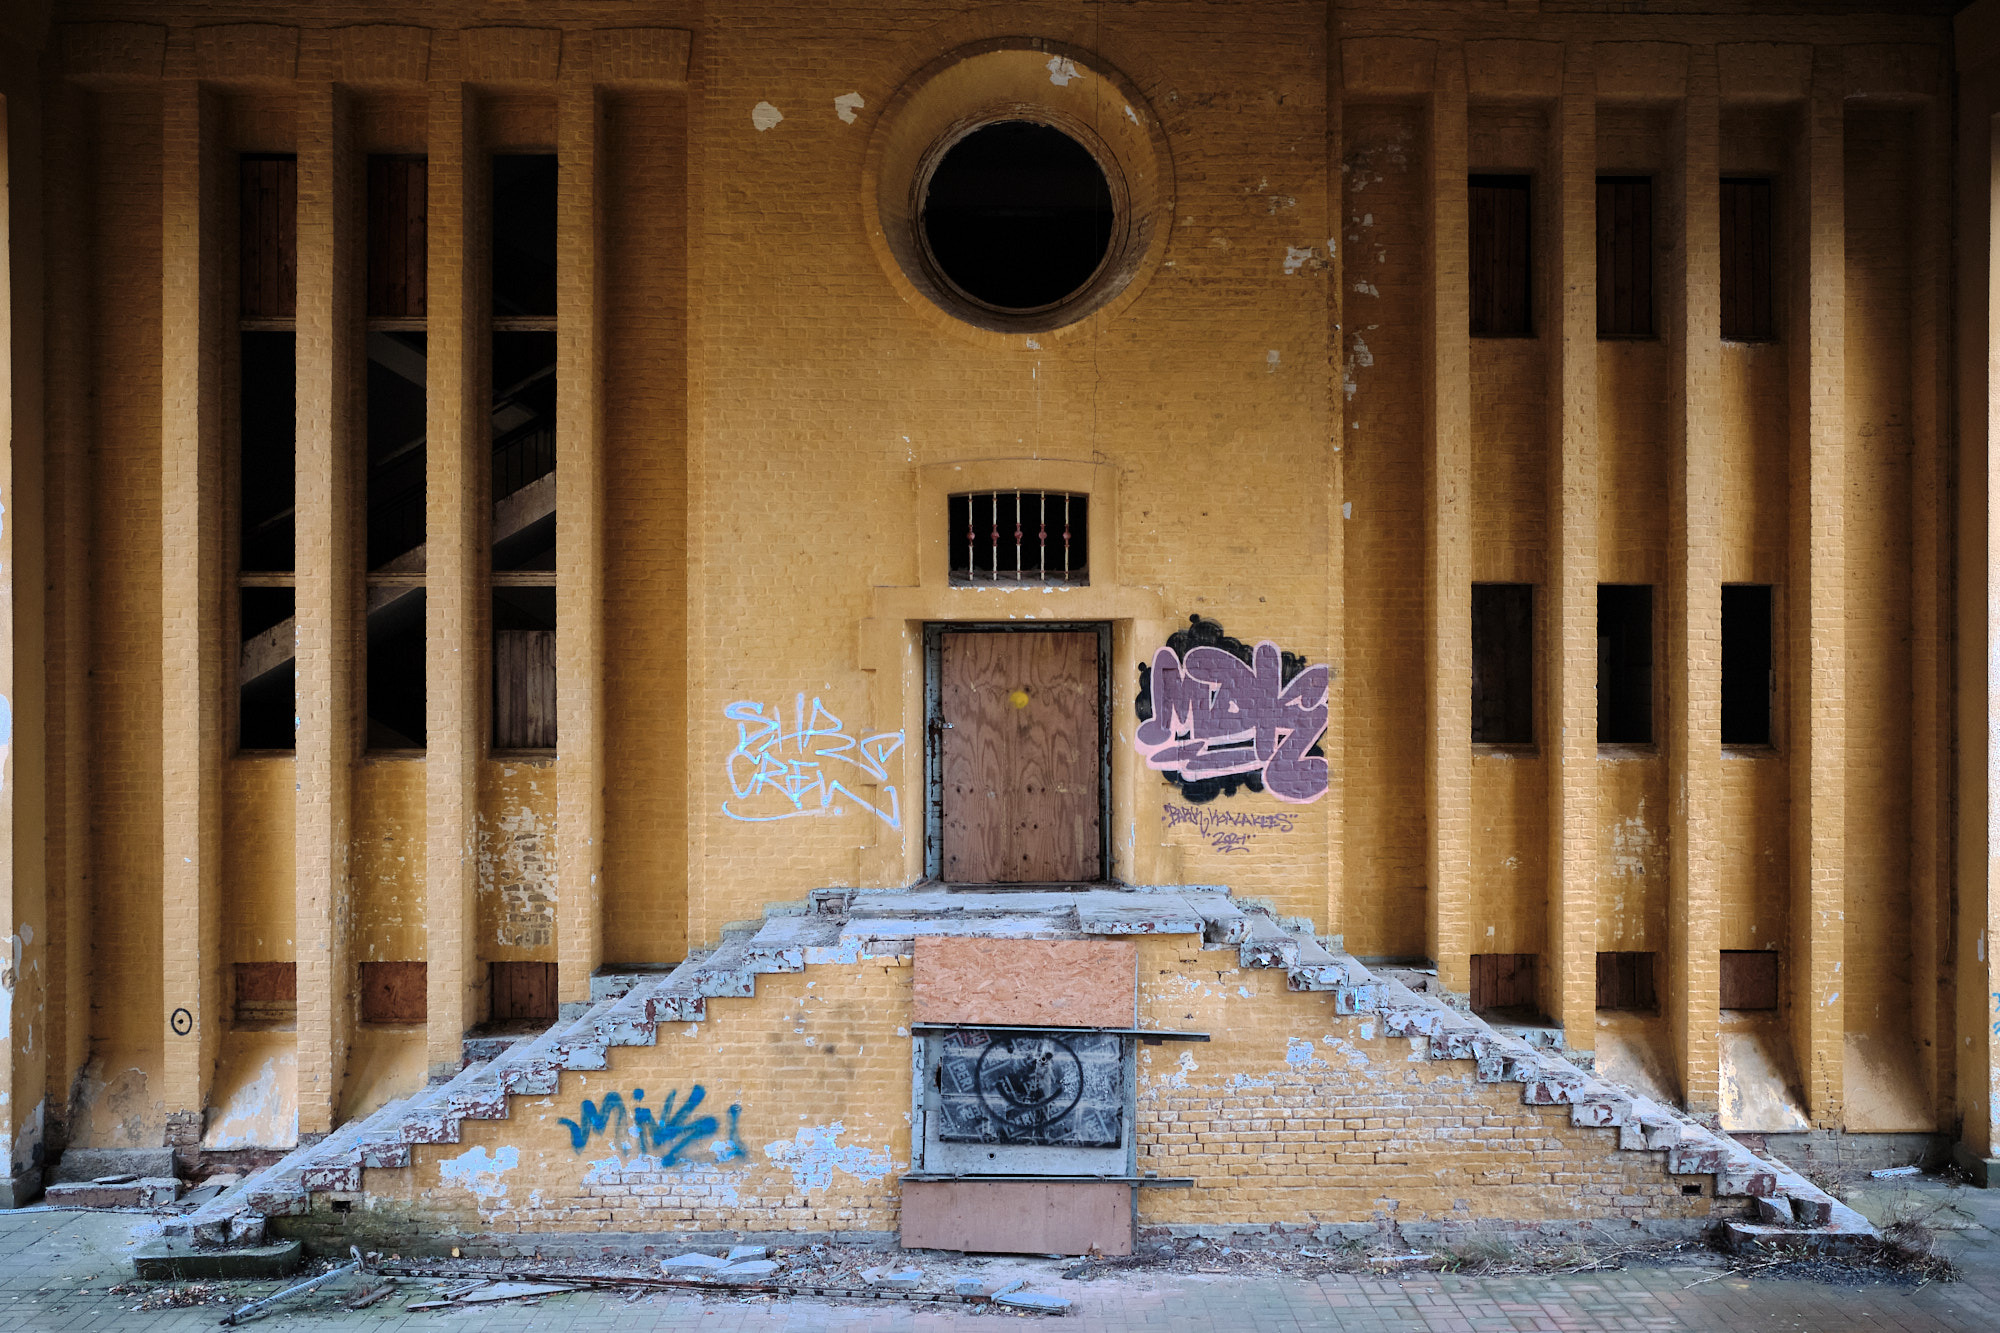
(1625, 981)
(1624, 257)
(267, 236)
(1503, 981)
(1501, 257)
(1749, 979)
(1503, 673)
(1747, 680)
(524, 668)
(267, 992)
(523, 991)
(1624, 664)
(398, 245)
(1746, 261)
(393, 993)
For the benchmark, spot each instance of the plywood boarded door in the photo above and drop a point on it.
(1020, 757)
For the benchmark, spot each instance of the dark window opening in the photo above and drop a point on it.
(396, 376)
(1017, 215)
(522, 991)
(524, 451)
(1747, 680)
(1624, 664)
(524, 668)
(1626, 981)
(394, 992)
(267, 428)
(266, 669)
(267, 236)
(524, 234)
(267, 992)
(1749, 979)
(1504, 982)
(1503, 657)
(1624, 257)
(395, 668)
(1746, 261)
(1019, 537)
(1500, 225)
(398, 244)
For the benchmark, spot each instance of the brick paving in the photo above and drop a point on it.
(56, 1269)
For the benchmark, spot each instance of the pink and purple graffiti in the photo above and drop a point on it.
(1215, 714)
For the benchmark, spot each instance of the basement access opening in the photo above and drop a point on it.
(1017, 215)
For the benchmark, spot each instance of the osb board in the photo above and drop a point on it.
(1035, 983)
(1017, 1217)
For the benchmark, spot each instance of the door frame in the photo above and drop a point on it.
(934, 632)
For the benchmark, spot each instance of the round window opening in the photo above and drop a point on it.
(1017, 216)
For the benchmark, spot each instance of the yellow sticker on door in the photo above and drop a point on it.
(1019, 698)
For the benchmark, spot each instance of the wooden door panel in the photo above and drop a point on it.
(1020, 758)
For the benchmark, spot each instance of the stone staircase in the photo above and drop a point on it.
(843, 926)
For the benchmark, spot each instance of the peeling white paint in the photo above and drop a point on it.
(1061, 70)
(846, 105)
(1299, 1054)
(813, 1154)
(1271, 362)
(1347, 509)
(1034, 346)
(1131, 115)
(765, 116)
(1296, 259)
(477, 1172)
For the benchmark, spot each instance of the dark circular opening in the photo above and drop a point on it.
(1018, 215)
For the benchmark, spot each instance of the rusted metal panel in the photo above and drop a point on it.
(1018, 1217)
(1039, 983)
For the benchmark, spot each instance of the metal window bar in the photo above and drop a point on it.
(993, 533)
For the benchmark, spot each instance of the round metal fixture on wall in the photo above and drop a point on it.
(1018, 187)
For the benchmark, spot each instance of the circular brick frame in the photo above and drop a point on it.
(1016, 78)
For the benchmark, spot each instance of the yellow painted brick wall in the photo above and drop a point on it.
(1290, 1113)
(257, 834)
(517, 861)
(388, 861)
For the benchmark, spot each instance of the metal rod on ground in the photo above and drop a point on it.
(697, 1284)
(243, 1312)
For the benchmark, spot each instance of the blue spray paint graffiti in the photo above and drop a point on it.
(775, 773)
(667, 1133)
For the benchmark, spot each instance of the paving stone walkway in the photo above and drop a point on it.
(58, 1271)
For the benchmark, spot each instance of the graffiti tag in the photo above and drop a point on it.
(1227, 830)
(776, 773)
(1217, 713)
(667, 1133)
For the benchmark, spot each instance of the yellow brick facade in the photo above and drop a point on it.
(1283, 426)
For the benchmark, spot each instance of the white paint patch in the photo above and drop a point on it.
(1296, 259)
(479, 1173)
(846, 105)
(1366, 288)
(262, 1112)
(1347, 509)
(1271, 362)
(1034, 346)
(765, 116)
(1367, 1032)
(815, 1153)
(1244, 991)
(1299, 1054)
(1131, 115)
(1061, 70)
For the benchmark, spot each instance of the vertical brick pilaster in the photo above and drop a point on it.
(456, 434)
(1694, 595)
(328, 594)
(1568, 625)
(1335, 743)
(579, 541)
(1817, 611)
(1448, 567)
(191, 685)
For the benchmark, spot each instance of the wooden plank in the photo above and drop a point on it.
(524, 689)
(267, 992)
(393, 992)
(1017, 1217)
(1503, 981)
(1037, 983)
(267, 237)
(398, 200)
(1020, 758)
(523, 991)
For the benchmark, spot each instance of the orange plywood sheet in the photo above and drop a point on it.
(1017, 1217)
(1036, 983)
